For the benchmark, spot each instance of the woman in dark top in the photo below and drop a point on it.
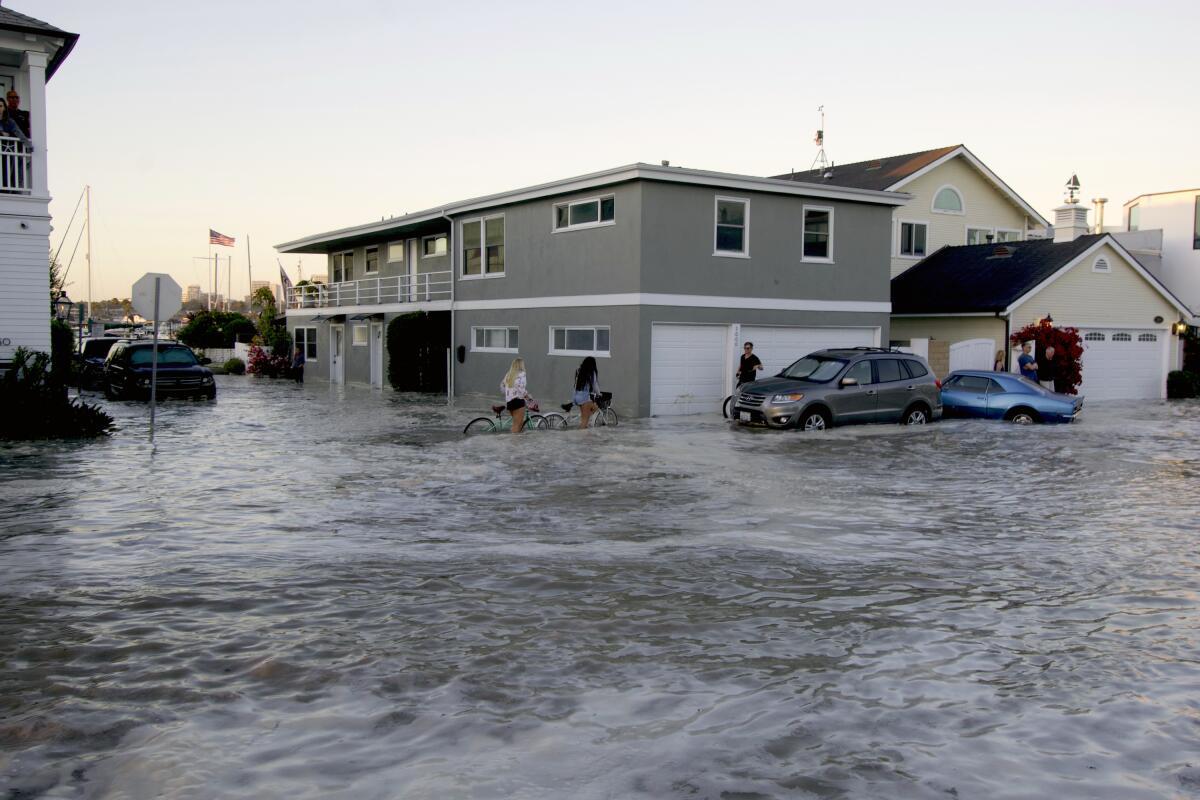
(587, 386)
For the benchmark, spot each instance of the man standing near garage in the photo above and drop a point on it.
(1047, 370)
(749, 365)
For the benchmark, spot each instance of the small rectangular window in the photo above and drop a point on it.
(731, 223)
(588, 213)
(372, 260)
(912, 239)
(1007, 236)
(395, 252)
(579, 341)
(483, 246)
(358, 336)
(978, 235)
(494, 340)
(433, 246)
(818, 234)
(343, 264)
(306, 339)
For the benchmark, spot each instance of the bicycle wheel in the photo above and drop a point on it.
(535, 422)
(727, 406)
(607, 417)
(480, 425)
(555, 421)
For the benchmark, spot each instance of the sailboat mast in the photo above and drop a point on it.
(88, 214)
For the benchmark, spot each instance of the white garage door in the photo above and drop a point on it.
(778, 346)
(689, 371)
(973, 354)
(1123, 363)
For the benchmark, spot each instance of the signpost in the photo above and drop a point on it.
(156, 295)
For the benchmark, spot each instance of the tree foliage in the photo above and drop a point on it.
(34, 405)
(1068, 350)
(272, 331)
(216, 329)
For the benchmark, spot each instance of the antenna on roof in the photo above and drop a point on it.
(819, 141)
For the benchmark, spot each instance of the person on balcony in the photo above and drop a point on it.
(19, 115)
(12, 165)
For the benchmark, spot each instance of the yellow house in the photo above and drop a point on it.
(956, 200)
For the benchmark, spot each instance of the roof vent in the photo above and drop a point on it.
(877, 164)
(666, 163)
(1002, 251)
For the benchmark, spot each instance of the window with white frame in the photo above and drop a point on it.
(359, 336)
(342, 267)
(1003, 235)
(1147, 337)
(1101, 265)
(579, 340)
(948, 200)
(1122, 337)
(306, 340)
(432, 246)
(1093, 336)
(978, 235)
(913, 236)
(818, 233)
(731, 236)
(483, 246)
(372, 261)
(1135, 217)
(494, 340)
(589, 213)
(395, 252)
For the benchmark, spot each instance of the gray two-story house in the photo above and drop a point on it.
(659, 272)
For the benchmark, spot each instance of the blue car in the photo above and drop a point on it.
(1006, 396)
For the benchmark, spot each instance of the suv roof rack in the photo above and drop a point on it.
(864, 349)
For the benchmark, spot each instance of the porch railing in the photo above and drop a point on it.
(420, 288)
(16, 166)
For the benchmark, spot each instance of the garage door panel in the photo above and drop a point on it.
(778, 346)
(1122, 363)
(687, 368)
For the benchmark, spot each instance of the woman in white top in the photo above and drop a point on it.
(515, 393)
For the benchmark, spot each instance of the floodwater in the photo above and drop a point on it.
(310, 592)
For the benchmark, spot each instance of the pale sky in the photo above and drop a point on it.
(280, 119)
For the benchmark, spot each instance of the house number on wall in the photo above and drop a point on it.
(5, 342)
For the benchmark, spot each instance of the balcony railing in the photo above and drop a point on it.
(16, 166)
(421, 288)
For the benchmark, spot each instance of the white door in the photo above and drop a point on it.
(973, 354)
(1121, 363)
(778, 346)
(377, 354)
(689, 368)
(337, 347)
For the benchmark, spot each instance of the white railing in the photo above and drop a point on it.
(421, 288)
(16, 166)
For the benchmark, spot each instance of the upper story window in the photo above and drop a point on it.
(372, 260)
(818, 233)
(483, 246)
(589, 213)
(978, 235)
(432, 246)
(343, 266)
(1135, 217)
(948, 200)
(1007, 236)
(731, 236)
(912, 239)
(395, 252)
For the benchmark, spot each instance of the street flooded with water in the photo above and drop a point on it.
(314, 592)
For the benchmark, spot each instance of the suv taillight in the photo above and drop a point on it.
(937, 383)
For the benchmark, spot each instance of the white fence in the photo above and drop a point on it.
(16, 166)
(420, 288)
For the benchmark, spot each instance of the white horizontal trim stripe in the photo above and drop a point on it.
(302, 314)
(682, 300)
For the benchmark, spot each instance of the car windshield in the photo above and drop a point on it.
(814, 369)
(97, 348)
(167, 356)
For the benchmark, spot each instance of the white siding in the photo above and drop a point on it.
(24, 293)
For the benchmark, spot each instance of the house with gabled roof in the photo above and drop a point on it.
(974, 296)
(956, 200)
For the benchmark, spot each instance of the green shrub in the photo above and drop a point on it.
(34, 406)
(1181, 384)
(234, 366)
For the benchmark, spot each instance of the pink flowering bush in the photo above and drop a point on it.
(263, 363)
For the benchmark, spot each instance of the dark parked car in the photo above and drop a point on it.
(1006, 396)
(90, 361)
(180, 373)
(841, 387)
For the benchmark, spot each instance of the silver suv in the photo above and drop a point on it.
(843, 387)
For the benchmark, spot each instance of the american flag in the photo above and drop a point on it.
(219, 238)
(284, 281)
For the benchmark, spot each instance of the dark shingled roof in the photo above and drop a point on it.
(878, 173)
(972, 279)
(16, 21)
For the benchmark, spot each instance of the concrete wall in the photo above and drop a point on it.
(984, 206)
(677, 248)
(1174, 213)
(945, 331)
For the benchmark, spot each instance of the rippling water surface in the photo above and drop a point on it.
(308, 592)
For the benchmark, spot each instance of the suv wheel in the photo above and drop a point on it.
(916, 415)
(109, 391)
(815, 420)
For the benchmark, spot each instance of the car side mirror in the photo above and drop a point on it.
(205, 360)
(849, 382)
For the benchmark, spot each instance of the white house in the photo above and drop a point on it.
(1177, 215)
(30, 53)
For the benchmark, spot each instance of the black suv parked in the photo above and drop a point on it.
(180, 373)
(841, 387)
(90, 361)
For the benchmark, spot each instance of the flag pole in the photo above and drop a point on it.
(228, 280)
(249, 276)
(206, 260)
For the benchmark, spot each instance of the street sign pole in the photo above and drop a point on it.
(154, 359)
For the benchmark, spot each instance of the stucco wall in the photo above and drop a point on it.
(1174, 214)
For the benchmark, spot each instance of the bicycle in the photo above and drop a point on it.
(533, 421)
(603, 417)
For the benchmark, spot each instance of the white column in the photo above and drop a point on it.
(34, 66)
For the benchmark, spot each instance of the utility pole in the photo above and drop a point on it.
(228, 280)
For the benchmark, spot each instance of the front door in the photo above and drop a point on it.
(377, 354)
(337, 348)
